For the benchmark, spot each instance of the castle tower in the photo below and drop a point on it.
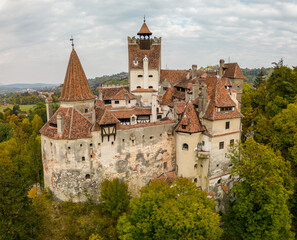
(76, 90)
(144, 64)
(189, 138)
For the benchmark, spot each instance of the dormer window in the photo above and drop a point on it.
(225, 109)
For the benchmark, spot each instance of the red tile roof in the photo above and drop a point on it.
(75, 125)
(167, 97)
(232, 70)
(173, 76)
(144, 30)
(146, 124)
(178, 94)
(219, 97)
(116, 93)
(189, 122)
(76, 86)
(99, 103)
(144, 90)
(127, 113)
(153, 55)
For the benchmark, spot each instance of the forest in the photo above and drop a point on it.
(262, 205)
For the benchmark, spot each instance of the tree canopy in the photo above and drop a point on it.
(177, 211)
(260, 209)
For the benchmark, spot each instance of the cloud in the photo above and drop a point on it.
(35, 34)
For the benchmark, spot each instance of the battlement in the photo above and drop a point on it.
(135, 40)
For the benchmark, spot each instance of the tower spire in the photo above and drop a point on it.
(144, 18)
(72, 44)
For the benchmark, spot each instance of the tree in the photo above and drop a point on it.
(5, 132)
(259, 79)
(18, 218)
(37, 123)
(260, 209)
(177, 211)
(114, 196)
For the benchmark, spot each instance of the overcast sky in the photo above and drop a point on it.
(35, 46)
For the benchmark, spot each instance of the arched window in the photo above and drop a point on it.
(138, 86)
(150, 86)
(88, 176)
(185, 147)
(196, 165)
(195, 180)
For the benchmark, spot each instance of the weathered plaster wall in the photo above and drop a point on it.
(74, 169)
(80, 105)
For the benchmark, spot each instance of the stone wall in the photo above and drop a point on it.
(74, 169)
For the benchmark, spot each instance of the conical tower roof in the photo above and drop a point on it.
(76, 86)
(144, 30)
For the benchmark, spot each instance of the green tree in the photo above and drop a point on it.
(18, 218)
(37, 123)
(177, 211)
(260, 209)
(114, 197)
(259, 79)
(5, 132)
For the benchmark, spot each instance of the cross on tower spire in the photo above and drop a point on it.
(144, 18)
(72, 44)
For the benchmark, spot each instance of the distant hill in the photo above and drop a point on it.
(28, 85)
(119, 79)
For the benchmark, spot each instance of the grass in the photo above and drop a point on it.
(24, 108)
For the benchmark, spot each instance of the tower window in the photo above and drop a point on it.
(83, 158)
(139, 76)
(221, 145)
(88, 176)
(116, 102)
(227, 125)
(150, 75)
(195, 180)
(185, 147)
(196, 165)
(91, 144)
(138, 86)
(150, 86)
(165, 165)
(86, 110)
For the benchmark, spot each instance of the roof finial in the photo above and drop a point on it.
(144, 18)
(72, 44)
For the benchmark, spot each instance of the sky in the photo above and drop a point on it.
(35, 46)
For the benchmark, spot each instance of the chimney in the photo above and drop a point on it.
(195, 90)
(221, 67)
(100, 95)
(202, 101)
(188, 75)
(93, 115)
(194, 71)
(59, 124)
(154, 108)
(61, 87)
(49, 108)
(175, 109)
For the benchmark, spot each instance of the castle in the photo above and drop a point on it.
(165, 124)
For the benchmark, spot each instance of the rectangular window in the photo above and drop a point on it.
(116, 102)
(107, 101)
(139, 75)
(231, 142)
(165, 165)
(165, 88)
(221, 145)
(227, 125)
